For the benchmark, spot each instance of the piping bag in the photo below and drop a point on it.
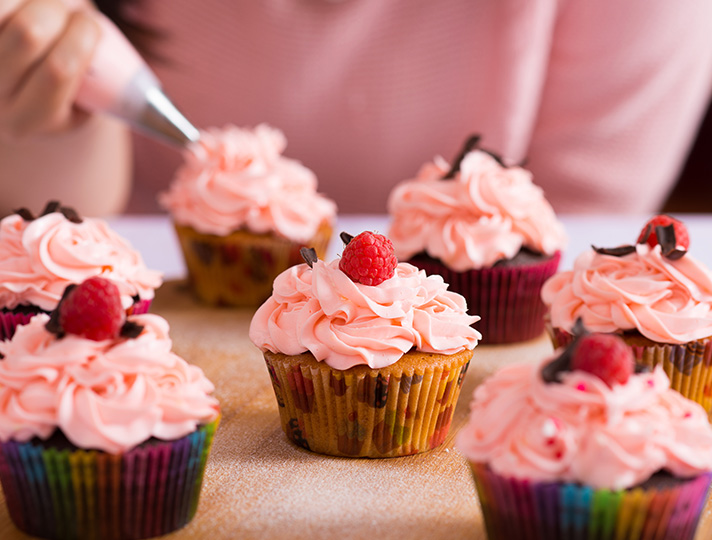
(120, 83)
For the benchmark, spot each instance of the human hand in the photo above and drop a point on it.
(45, 50)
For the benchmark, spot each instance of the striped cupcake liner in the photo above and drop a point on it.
(688, 366)
(367, 413)
(239, 269)
(519, 509)
(507, 298)
(146, 492)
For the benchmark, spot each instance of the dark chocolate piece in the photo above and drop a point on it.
(25, 214)
(551, 372)
(309, 255)
(53, 326)
(70, 214)
(645, 234)
(52, 207)
(470, 144)
(668, 242)
(619, 251)
(131, 330)
(346, 238)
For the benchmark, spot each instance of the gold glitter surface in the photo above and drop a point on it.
(259, 485)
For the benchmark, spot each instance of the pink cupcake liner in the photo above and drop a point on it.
(507, 298)
(149, 491)
(10, 320)
(662, 508)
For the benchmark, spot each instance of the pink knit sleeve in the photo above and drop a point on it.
(624, 94)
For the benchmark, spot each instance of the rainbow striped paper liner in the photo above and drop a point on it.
(146, 492)
(688, 366)
(399, 410)
(239, 269)
(507, 298)
(519, 509)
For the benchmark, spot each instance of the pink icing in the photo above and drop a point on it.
(344, 324)
(237, 178)
(486, 213)
(666, 301)
(108, 395)
(584, 431)
(39, 258)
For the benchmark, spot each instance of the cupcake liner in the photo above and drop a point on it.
(688, 366)
(70, 493)
(521, 509)
(139, 307)
(507, 298)
(239, 269)
(400, 410)
(10, 320)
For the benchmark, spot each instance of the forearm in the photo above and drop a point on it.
(88, 168)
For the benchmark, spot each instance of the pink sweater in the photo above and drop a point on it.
(602, 97)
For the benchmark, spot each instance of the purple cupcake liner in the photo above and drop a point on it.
(10, 320)
(149, 491)
(507, 298)
(662, 508)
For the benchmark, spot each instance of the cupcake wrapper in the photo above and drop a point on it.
(519, 509)
(343, 413)
(148, 491)
(9, 321)
(139, 308)
(689, 366)
(507, 298)
(239, 269)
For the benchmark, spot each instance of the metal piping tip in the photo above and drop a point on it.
(161, 118)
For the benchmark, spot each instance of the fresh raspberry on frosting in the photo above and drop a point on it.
(604, 355)
(93, 310)
(649, 234)
(368, 259)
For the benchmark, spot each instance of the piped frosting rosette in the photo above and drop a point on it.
(40, 257)
(125, 421)
(661, 306)
(488, 230)
(581, 458)
(364, 370)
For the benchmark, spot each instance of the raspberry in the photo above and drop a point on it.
(93, 310)
(369, 259)
(604, 355)
(682, 239)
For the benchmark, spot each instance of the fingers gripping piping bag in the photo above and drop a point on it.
(120, 83)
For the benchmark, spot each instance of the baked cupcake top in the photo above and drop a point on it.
(109, 394)
(237, 178)
(659, 290)
(40, 256)
(472, 214)
(581, 428)
(342, 322)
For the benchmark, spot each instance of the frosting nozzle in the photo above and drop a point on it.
(161, 118)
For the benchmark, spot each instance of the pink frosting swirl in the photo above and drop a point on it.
(237, 178)
(39, 258)
(484, 214)
(344, 324)
(584, 431)
(666, 301)
(107, 395)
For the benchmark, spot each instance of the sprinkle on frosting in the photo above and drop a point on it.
(344, 323)
(583, 430)
(238, 179)
(109, 395)
(486, 213)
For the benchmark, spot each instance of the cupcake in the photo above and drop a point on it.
(488, 230)
(366, 355)
(104, 432)
(242, 212)
(582, 447)
(654, 295)
(41, 256)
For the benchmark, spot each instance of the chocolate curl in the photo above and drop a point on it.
(645, 234)
(619, 251)
(668, 242)
(53, 326)
(52, 207)
(309, 255)
(25, 214)
(70, 214)
(551, 372)
(470, 144)
(131, 330)
(346, 238)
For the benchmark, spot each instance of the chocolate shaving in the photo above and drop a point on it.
(2, 356)
(53, 326)
(645, 234)
(309, 255)
(494, 156)
(619, 251)
(551, 372)
(668, 242)
(470, 144)
(346, 238)
(131, 330)
(25, 214)
(70, 214)
(51, 208)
